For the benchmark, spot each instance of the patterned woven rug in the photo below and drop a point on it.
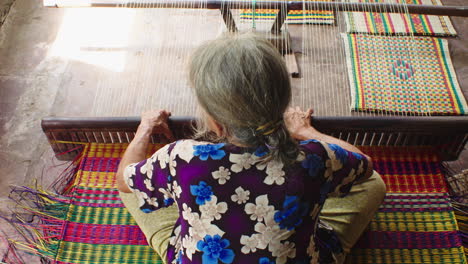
(308, 16)
(399, 23)
(402, 74)
(415, 224)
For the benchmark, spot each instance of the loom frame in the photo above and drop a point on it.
(449, 135)
(67, 135)
(291, 5)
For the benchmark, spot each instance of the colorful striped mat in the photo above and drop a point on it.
(399, 23)
(308, 16)
(415, 224)
(402, 74)
(98, 228)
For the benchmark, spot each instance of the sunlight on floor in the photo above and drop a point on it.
(97, 36)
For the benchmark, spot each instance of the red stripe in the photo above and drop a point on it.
(104, 234)
(89, 204)
(88, 197)
(409, 240)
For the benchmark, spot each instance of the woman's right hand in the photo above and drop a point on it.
(156, 122)
(298, 122)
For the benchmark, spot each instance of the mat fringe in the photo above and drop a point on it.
(38, 215)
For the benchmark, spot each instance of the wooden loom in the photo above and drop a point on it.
(449, 134)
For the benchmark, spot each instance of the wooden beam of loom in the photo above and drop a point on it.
(66, 135)
(296, 5)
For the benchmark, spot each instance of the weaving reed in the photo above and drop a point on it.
(415, 224)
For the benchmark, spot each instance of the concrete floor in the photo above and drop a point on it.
(51, 63)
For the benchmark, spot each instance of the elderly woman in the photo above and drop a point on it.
(264, 187)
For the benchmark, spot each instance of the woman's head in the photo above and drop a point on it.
(242, 83)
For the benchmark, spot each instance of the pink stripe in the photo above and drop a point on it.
(88, 204)
(108, 198)
(104, 234)
(409, 240)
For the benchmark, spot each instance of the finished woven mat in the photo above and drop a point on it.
(402, 74)
(399, 23)
(308, 16)
(415, 224)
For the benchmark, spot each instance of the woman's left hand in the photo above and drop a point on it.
(155, 122)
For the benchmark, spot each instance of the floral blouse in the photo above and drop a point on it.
(236, 208)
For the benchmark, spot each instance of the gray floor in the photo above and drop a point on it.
(41, 74)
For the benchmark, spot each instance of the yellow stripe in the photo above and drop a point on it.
(96, 179)
(67, 142)
(100, 215)
(415, 222)
(115, 150)
(370, 23)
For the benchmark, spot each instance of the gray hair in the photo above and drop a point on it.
(242, 82)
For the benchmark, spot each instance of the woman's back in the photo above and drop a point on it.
(237, 208)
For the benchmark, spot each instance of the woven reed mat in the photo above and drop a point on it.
(415, 224)
(399, 23)
(402, 74)
(308, 16)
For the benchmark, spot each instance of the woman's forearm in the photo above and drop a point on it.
(135, 152)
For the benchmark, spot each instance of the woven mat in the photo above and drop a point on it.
(308, 16)
(415, 224)
(98, 228)
(402, 74)
(399, 23)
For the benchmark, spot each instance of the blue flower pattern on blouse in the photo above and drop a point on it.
(147, 210)
(206, 151)
(265, 260)
(261, 151)
(305, 142)
(340, 153)
(168, 201)
(202, 191)
(292, 213)
(218, 207)
(179, 257)
(214, 248)
(313, 163)
(357, 155)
